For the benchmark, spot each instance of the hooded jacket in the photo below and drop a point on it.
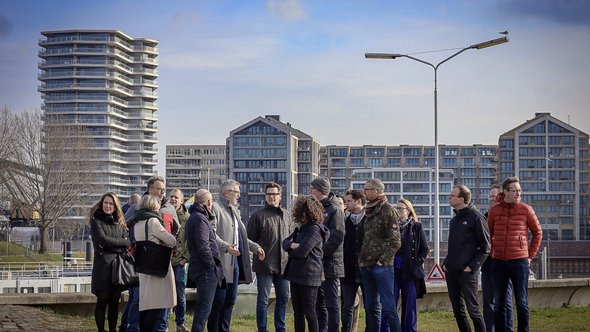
(305, 265)
(509, 224)
(334, 221)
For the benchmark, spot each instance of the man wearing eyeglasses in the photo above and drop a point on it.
(487, 283)
(468, 247)
(380, 243)
(509, 223)
(234, 249)
(268, 227)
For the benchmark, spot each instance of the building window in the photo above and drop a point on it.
(375, 162)
(338, 152)
(506, 144)
(356, 162)
(359, 152)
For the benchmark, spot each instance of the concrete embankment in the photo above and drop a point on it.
(542, 294)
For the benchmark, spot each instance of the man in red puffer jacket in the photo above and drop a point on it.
(509, 223)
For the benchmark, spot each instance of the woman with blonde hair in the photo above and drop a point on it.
(155, 294)
(409, 266)
(109, 238)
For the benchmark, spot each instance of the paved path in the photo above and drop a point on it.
(24, 318)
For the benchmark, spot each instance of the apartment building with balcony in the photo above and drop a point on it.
(552, 160)
(191, 167)
(266, 149)
(417, 185)
(472, 165)
(106, 82)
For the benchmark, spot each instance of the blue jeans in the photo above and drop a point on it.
(162, 321)
(378, 286)
(327, 306)
(517, 271)
(220, 318)
(207, 289)
(487, 290)
(409, 307)
(264, 284)
(180, 309)
(131, 312)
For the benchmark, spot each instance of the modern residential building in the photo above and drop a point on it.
(472, 165)
(417, 185)
(191, 167)
(552, 160)
(266, 149)
(106, 82)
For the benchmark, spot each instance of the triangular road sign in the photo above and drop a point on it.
(436, 274)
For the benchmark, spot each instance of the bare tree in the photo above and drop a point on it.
(51, 170)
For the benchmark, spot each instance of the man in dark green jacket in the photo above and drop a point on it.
(180, 258)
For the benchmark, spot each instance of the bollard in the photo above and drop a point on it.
(88, 251)
(68, 250)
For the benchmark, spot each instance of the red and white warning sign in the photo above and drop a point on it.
(436, 274)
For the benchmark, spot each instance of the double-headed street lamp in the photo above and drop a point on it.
(479, 46)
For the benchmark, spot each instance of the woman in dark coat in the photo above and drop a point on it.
(109, 237)
(409, 267)
(304, 268)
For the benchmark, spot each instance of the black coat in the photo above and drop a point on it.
(469, 240)
(305, 263)
(334, 221)
(108, 238)
(268, 227)
(413, 251)
(353, 241)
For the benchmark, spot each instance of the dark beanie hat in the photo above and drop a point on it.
(322, 185)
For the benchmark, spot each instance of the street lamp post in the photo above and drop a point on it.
(391, 56)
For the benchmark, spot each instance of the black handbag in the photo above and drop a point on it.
(152, 258)
(123, 271)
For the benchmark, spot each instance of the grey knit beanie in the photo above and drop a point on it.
(322, 185)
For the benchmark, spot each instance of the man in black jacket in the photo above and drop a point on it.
(268, 227)
(469, 246)
(327, 307)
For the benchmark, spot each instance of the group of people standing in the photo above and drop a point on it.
(503, 232)
(319, 254)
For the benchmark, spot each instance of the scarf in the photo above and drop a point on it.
(374, 202)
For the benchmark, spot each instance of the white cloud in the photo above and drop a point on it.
(289, 9)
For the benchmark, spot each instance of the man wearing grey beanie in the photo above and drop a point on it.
(327, 305)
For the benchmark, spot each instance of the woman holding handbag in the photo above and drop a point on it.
(156, 294)
(109, 237)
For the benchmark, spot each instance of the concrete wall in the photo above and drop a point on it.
(553, 293)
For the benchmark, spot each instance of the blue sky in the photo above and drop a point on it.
(223, 63)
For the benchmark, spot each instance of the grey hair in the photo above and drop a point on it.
(149, 202)
(377, 184)
(153, 179)
(228, 185)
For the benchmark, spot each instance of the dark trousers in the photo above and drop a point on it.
(462, 287)
(207, 290)
(348, 295)
(487, 290)
(104, 300)
(409, 307)
(223, 306)
(304, 299)
(517, 271)
(327, 306)
(148, 319)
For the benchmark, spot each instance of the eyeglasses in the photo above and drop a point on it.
(515, 190)
(234, 191)
(273, 194)
(367, 189)
(161, 189)
(399, 208)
